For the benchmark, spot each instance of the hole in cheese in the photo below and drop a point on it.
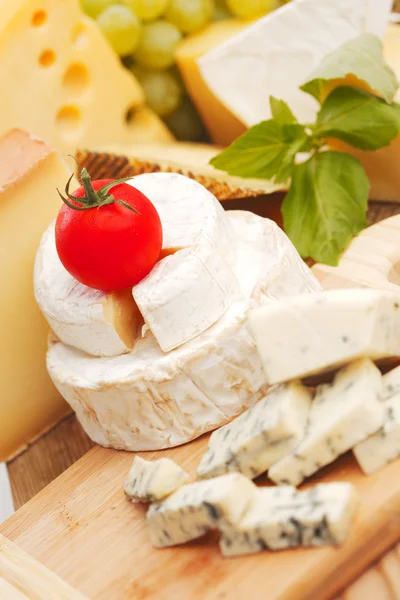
(76, 78)
(79, 36)
(47, 58)
(121, 310)
(68, 120)
(130, 113)
(39, 18)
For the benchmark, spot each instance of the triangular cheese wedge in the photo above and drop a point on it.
(63, 82)
(185, 158)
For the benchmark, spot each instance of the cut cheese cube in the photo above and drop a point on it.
(274, 55)
(281, 517)
(261, 436)
(198, 507)
(192, 160)
(30, 171)
(76, 92)
(342, 414)
(311, 334)
(150, 481)
(384, 446)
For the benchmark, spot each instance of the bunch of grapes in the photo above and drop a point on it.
(145, 34)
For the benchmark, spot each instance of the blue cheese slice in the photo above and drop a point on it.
(384, 446)
(342, 414)
(252, 442)
(314, 333)
(281, 517)
(198, 507)
(152, 480)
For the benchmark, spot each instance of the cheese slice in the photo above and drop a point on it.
(30, 171)
(268, 431)
(313, 334)
(192, 160)
(153, 480)
(184, 294)
(274, 55)
(384, 446)
(196, 508)
(342, 414)
(75, 89)
(281, 517)
(148, 399)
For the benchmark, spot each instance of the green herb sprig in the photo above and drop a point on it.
(327, 201)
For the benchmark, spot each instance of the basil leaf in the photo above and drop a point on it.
(265, 151)
(280, 111)
(361, 57)
(326, 205)
(358, 118)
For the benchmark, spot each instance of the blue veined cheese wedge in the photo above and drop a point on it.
(281, 517)
(262, 435)
(384, 446)
(342, 414)
(198, 507)
(152, 480)
(305, 335)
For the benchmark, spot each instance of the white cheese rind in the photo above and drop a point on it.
(261, 436)
(198, 507)
(310, 334)
(189, 291)
(281, 517)
(277, 53)
(342, 414)
(384, 446)
(148, 400)
(153, 480)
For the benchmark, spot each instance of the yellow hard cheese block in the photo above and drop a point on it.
(382, 166)
(63, 82)
(30, 171)
(221, 124)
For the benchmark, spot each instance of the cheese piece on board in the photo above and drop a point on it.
(148, 400)
(30, 171)
(190, 159)
(305, 335)
(343, 413)
(384, 446)
(76, 92)
(261, 436)
(219, 121)
(274, 55)
(281, 517)
(153, 480)
(183, 295)
(196, 508)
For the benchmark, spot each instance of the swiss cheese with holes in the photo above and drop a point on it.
(63, 79)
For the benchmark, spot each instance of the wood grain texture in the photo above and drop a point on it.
(23, 577)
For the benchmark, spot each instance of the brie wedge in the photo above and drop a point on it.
(184, 294)
(276, 54)
(149, 399)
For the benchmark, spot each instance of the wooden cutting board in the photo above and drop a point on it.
(82, 527)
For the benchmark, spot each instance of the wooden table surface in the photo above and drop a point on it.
(52, 454)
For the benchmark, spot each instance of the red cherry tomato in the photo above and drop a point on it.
(108, 246)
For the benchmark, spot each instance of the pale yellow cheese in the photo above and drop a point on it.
(30, 171)
(63, 82)
(221, 124)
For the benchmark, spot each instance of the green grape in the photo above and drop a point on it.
(163, 92)
(121, 27)
(147, 10)
(157, 45)
(250, 9)
(185, 123)
(94, 7)
(189, 15)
